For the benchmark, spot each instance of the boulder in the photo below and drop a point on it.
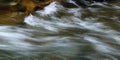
(13, 12)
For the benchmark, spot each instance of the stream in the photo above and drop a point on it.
(60, 33)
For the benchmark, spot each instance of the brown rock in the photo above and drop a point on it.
(14, 13)
(31, 5)
(11, 18)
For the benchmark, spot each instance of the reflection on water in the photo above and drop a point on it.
(59, 33)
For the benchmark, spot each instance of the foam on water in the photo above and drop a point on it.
(62, 33)
(12, 40)
(51, 9)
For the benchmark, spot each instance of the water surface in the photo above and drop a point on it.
(59, 33)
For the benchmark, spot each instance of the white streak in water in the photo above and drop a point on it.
(13, 40)
(101, 47)
(50, 9)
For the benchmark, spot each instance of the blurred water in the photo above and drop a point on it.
(59, 33)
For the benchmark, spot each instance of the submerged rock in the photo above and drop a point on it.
(9, 14)
(11, 18)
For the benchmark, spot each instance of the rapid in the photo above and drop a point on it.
(60, 33)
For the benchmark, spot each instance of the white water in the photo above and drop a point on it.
(58, 33)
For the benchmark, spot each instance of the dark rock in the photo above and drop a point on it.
(88, 2)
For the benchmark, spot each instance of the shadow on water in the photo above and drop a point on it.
(59, 33)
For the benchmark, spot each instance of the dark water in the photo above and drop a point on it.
(59, 33)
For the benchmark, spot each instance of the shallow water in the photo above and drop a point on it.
(59, 33)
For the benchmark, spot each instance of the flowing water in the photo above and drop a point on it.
(59, 33)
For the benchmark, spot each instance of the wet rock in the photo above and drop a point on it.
(88, 2)
(32, 5)
(68, 3)
(9, 14)
(13, 12)
(11, 18)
